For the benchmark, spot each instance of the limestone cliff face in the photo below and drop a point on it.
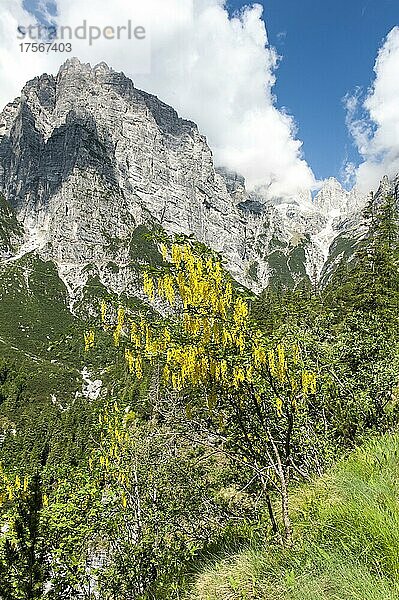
(85, 158)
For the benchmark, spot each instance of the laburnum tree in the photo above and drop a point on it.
(74, 521)
(243, 396)
(151, 522)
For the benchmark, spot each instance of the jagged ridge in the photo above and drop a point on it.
(85, 158)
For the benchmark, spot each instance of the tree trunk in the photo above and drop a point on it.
(273, 521)
(285, 512)
(284, 494)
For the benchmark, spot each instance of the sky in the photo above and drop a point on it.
(288, 92)
(328, 49)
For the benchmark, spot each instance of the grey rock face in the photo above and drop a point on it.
(85, 158)
(351, 228)
(388, 187)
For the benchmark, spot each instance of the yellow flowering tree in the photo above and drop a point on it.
(248, 398)
(151, 523)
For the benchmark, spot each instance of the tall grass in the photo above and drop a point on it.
(347, 539)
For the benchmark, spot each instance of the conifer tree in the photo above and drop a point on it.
(364, 298)
(23, 555)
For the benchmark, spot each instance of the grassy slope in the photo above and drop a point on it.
(347, 539)
(10, 229)
(36, 328)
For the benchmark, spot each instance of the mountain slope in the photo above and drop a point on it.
(11, 231)
(89, 165)
(347, 524)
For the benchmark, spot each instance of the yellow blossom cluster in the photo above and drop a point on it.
(209, 342)
(109, 458)
(89, 338)
(198, 280)
(134, 363)
(309, 383)
(149, 287)
(241, 312)
(12, 487)
(119, 325)
(211, 316)
(164, 251)
(166, 289)
(192, 365)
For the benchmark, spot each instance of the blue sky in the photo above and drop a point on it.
(33, 6)
(328, 48)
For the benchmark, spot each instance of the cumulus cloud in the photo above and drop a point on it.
(214, 68)
(374, 121)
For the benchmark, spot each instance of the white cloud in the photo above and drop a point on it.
(348, 173)
(215, 69)
(376, 130)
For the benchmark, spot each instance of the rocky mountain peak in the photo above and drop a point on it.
(85, 158)
(332, 199)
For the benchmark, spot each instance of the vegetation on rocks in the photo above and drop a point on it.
(212, 464)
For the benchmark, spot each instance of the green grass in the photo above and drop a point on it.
(37, 331)
(346, 539)
(33, 304)
(10, 229)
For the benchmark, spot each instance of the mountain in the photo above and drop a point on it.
(89, 165)
(86, 159)
(109, 474)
